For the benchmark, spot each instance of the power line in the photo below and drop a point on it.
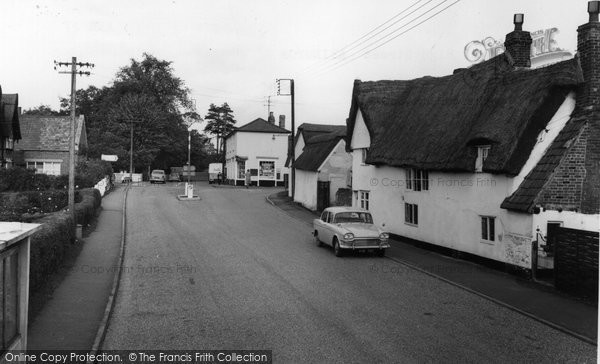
(331, 66)
(333, 55)
(345, 62)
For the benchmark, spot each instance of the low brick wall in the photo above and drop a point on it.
(576, 262)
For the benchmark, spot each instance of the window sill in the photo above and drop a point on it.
(411, 224)
(487, 242)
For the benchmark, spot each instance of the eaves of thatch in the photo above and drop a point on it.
(435, 122)
(317, 149)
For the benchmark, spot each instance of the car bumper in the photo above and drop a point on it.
(354, 245)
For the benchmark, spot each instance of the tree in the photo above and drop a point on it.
(147, 91)
(220, 122)
(43, 110)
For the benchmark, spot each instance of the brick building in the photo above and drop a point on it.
(45, 143)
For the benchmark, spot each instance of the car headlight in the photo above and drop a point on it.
(348, 236)
(384, 236)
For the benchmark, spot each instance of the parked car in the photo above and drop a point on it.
(174, 177)
(158, 176)
(348, 228)
(126, 179)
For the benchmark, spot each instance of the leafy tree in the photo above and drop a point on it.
(43, 110)
(220, 122)
(146, 91)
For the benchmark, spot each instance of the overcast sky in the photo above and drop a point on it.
(232, 51)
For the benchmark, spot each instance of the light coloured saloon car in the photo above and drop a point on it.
(347, 228)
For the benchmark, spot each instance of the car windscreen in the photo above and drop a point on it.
(345, 217)
(158, 171)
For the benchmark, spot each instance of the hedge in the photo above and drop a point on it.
(56, 237)
(29, 205)
(87, 174)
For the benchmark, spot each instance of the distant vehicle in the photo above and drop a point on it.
(214, 170)
(174, 177)
(126, 179)
(158, 176)
(348, 228)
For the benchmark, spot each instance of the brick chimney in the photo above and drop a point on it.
(282, 121)
(588, 50)
(271, 118)
(518, 43)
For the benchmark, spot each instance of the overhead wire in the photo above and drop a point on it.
(354, 56)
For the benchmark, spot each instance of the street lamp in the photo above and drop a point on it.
(131, 122)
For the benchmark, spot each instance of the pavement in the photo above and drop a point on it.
(535, 300)
(71, 318)
(232, 272)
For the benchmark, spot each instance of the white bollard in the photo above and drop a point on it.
(190, 190)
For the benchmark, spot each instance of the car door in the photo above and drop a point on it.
(328, 231)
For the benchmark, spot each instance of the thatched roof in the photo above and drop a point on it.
(50, 133)
(435, 122)
(318, 147)
(308, 130)
(9, 116)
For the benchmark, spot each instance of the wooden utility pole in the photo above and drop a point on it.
(292, 151)
(74, 64)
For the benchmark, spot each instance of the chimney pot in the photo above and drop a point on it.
(271, 118)
(593, 10)
(518, 43)
(518, 21)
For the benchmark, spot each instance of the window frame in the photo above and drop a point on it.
(483, 151)
(411, 214)
(417, 179)
(488, 228)
(363, 199)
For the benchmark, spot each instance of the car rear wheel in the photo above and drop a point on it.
(336, 248)
(316, 239)
(380, 253)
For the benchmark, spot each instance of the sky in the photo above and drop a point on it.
(234, 50)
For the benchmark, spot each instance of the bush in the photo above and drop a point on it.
(85, 211)
(87, 174)
(49, 245)
(27, 205)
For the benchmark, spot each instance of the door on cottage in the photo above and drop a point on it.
(322, 195)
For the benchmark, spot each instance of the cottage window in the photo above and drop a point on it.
(50, 168)
(363, 199)
(482, 154)
(364, 152)
(488, 228)
(417, 179)
(411, 214)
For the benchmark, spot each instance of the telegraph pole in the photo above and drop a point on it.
(74, 64)
(292, 149)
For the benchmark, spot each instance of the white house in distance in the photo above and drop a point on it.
(260, 147)
(479, 160)
(322, 165)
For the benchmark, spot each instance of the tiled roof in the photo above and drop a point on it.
(525, 197)
(261, 126)
(435, 122)
(49, 133)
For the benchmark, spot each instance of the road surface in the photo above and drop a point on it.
(232, 272)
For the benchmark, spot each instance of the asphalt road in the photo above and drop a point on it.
(232, 272)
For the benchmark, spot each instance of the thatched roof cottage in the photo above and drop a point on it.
(478, 160)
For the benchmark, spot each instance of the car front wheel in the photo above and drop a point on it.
(336, 248)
